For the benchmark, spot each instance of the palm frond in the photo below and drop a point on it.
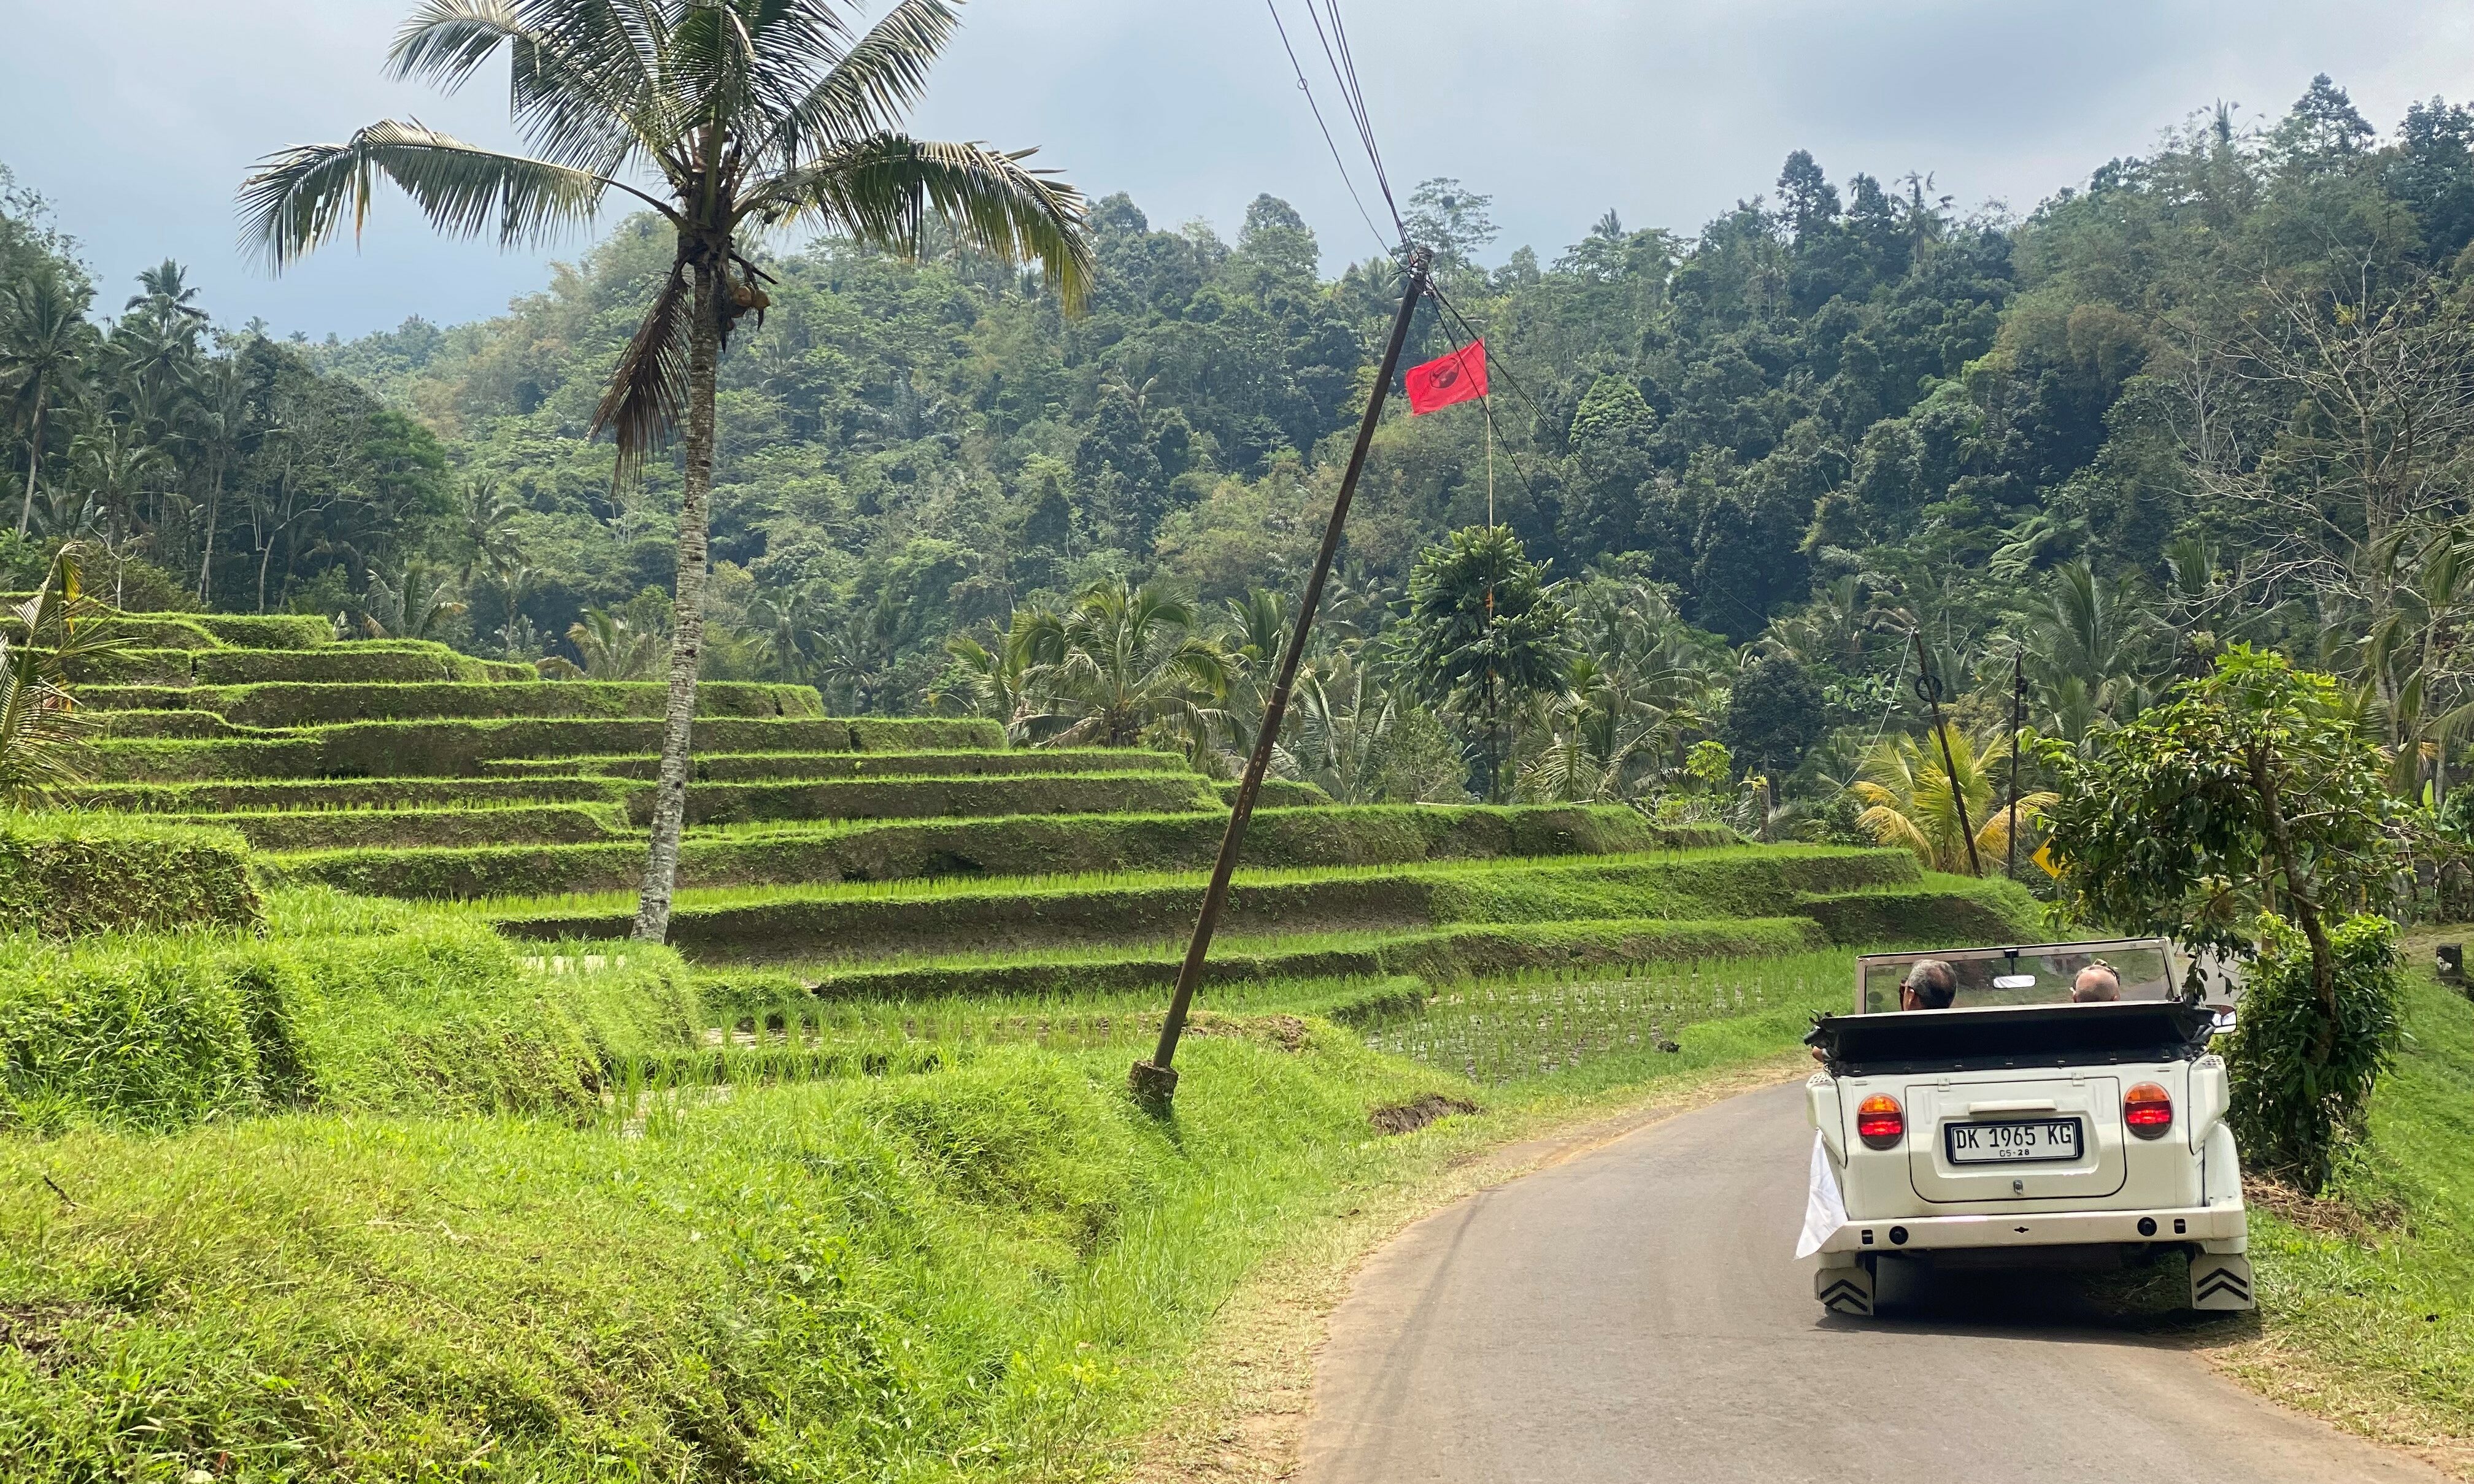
(297, 199)
(648, 387)
(881, 189)
(579, 81)
(872, 87)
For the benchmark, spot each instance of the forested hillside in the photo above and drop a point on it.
(2222, 391)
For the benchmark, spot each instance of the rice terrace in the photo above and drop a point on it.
(905, 825)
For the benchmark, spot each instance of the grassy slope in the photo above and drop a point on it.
(2369, 1325)
(992, 1271)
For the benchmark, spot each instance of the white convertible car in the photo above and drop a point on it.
(2036, 1119)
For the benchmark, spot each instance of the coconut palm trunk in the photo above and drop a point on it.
(34, 458)
(686, 614)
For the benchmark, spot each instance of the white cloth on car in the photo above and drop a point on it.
(1823, 1210)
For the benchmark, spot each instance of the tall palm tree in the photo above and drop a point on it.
(1122, 662)
(45, 342)
(168, 299)
(742, 115)
(1908, 800)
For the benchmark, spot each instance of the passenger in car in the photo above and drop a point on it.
(1930, 985)
(2098, 984)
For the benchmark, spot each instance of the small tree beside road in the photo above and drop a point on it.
(2251, 788)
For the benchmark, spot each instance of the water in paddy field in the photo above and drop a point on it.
(1495, 1033)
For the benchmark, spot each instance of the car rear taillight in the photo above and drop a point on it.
(1879, 1122)
(2149, 1110)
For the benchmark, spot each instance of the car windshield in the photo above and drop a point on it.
(2040, 975)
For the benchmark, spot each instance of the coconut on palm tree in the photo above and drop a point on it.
(1908, 800)
(737, 117)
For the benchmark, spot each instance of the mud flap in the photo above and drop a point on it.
(1846, 1291)
(2221, 1280)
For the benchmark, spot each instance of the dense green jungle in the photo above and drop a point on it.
(1732, 486)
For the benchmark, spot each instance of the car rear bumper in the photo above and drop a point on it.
(2215, 1224)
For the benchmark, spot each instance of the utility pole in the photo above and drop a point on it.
(1155, 1082)
(1928, 687)
(2018, 724)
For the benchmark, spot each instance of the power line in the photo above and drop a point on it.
(1352, 94)
(1329, 142)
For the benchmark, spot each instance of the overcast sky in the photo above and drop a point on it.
(137, 117)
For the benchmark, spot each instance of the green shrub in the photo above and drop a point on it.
(508, 670)
(2302, 1081)
(65, 874)
(317, 703)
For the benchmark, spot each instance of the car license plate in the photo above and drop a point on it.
(2011, 1141)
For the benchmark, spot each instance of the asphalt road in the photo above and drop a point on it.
(1637, 1313)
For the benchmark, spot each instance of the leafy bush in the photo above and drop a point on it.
(65, 874)
(2295, 1102)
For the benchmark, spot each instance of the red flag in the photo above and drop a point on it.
(1447, 379)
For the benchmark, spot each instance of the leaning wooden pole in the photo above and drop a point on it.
(1155, 1082)
(1928, 685)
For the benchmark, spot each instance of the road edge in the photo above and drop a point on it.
(1248, 1386)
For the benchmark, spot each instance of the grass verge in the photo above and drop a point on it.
(996, 1270)
(2366, 1300)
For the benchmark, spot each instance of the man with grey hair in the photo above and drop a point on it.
(2096, 984)
(1930, 985)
